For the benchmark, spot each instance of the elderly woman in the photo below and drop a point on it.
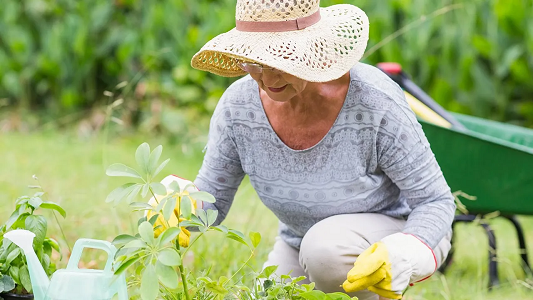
(331, 147)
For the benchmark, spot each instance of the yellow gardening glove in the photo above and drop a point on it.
(390, 265)
(184, 235)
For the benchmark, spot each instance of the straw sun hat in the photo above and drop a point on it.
(295, 36)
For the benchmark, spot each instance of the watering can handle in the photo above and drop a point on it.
(94, 244)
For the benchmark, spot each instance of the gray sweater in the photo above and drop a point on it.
(375, 158)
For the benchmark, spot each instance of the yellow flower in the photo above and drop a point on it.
(161, 225)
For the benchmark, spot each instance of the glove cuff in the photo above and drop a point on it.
(182, 183)
(411, 254)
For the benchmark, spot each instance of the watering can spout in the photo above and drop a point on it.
(39, 279)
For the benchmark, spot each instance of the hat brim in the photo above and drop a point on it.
(319, 53)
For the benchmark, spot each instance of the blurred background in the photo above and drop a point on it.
(84, 82)
(57, 57)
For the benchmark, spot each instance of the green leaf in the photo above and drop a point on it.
(168, 210)
(154, 158)
(255, 237)
(12, 219)
(22, 199)
(161, 204)
(141, 219)
(126, 264)
(160, 168)
(121, 170)
(221, 228)
(175, 187)
(188, 223)
(195, 219)
(203, 196)
(21, 221)
(142, 156)
(158, 188)
(123, 239)
(141, 206)
(339, 296)
(167, 275)
(168, 235)
(202, 214)
(267, 272)
(14, 272)
(54, 206)
(146, 231)
(135, 244)
(12, 256)
(149, 283)
(145, 190)
(45, 262)
(314, 295)
(153, 219)
(53, 243)
(24, 277)
(119, 193)
(169, 257)
(35, 202)
(211, 216)
(38, 225)
(134, 192)
(186, 207)
(237, 238)
(7, 283)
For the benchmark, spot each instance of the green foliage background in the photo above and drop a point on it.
(60, 55)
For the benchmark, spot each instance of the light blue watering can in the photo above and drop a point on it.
(72, 282)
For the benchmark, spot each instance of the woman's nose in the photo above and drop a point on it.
(270, 77)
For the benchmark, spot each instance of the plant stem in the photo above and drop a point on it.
(242, 266)
(182, 272)
(62, 232)
(192, 243)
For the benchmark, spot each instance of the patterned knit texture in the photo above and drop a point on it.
(374, 159)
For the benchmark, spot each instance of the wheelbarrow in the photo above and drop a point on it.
(490, 160)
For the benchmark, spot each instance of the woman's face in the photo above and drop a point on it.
(279, 86)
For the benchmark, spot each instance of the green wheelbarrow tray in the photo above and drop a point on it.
(490, 160)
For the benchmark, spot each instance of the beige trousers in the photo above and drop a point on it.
(330, 247)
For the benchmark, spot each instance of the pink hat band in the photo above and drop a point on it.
(278, 26)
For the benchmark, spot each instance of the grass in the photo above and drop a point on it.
(72, 172)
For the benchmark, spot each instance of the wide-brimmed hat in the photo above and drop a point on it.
(295, 36)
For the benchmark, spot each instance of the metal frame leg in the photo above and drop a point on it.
(521, 242)
(493, 264)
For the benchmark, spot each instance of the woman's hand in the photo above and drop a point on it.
(390, 265)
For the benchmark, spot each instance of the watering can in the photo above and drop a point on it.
(72, 282)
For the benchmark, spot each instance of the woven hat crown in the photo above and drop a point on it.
(294, 36)
(274, 10)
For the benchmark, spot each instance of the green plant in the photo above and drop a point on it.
(12, 260)
(268, 286)
(156, 261)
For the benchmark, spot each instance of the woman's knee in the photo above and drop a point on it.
(331, 246)
(327, 256)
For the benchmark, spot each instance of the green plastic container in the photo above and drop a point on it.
(87, 284)
(71, 283)
(492, 161)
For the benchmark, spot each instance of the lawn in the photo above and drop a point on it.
(72, 172)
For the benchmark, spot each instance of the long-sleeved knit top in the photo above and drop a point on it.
(374, 159)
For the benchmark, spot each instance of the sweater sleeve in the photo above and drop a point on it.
(221, 172)
(406, 158)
